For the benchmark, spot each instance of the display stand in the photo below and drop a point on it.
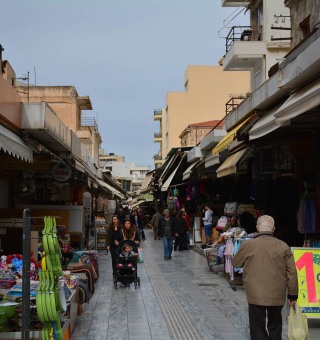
(25, 335)
(101, 233)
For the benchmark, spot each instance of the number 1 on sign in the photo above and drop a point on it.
(306, 260)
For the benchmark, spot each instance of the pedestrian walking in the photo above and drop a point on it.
(136, 219)
(181, 230)
(113, 237)
(167, 232)
(187, 217)
(268, 272)
(155, 223)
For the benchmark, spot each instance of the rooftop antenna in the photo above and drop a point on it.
(35, 76)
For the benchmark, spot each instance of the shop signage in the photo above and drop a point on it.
(308, 267)
(61, 172)
(148, 198)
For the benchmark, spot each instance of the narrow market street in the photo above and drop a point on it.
(178, 299)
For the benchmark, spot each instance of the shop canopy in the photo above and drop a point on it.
(299, 102)
(137, 203)
(265, 125)
(14, 145)
(170, 162)
(167, 183)
(188, 172)
(228, 138)
(110, 188)
(146, 181)
(231, 164)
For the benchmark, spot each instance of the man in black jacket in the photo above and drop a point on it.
(166, 230)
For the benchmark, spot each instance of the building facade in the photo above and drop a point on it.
(260, 45)
(206, 91)
(193, 134)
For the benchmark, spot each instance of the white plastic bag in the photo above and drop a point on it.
(297, 325)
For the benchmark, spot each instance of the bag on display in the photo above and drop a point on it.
(231, 208)
(223, 220)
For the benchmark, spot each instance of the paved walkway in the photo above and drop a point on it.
(178, 299)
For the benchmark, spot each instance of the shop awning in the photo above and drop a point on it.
(299, 102)
(211, 160)
(230, 165)
(167, 183)
(170, 162)
(228, 138)
(14, 145)
(146, 181)
(187, 173)
(110, 188)
(79, 166)
(265, 125)
(137, 203)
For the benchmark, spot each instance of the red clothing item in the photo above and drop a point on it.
(188, 221)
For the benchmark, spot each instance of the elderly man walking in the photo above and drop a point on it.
(156, 218)
(269, 272)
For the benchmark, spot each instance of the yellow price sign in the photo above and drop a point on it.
(307, 262)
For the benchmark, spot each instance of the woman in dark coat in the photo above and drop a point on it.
(181, 230)
(114, 236)
(129, 232)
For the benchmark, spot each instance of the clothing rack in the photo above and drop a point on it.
(233, 238)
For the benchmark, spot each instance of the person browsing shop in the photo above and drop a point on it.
(207, 222)
(269, 272)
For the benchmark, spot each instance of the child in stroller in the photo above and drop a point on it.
(126, 267)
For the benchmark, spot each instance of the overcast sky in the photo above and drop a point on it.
(124, 54)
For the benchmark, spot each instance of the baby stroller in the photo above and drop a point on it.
(126, 269)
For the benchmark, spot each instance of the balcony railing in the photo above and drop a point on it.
(157, 157)
(157, 112)
(89, 121)
(157, 135)
(238, 33)
(233, 103)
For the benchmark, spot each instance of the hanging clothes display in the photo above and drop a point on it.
(308, 215)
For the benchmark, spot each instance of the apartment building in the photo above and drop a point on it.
(129, 175)
(110, 157)
(207, 90)
(71, 109)
(260, 45)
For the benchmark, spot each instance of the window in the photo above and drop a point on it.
(186, 86)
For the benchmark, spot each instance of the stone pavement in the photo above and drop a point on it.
(178, 299)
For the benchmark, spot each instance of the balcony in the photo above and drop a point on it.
(42, 124)
(157, 115)
(157, 137)
(234, 3)
(89, 122)
(233, 103)
(157, 157)
(242, 53)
